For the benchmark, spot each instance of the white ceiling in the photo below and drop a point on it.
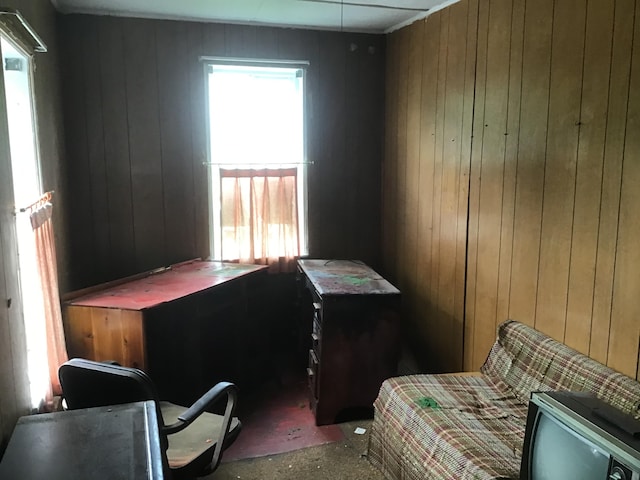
(376, 16)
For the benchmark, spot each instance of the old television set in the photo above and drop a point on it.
(571, 435)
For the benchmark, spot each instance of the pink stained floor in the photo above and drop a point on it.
(277, 421)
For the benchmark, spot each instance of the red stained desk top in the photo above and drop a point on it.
(169, 284)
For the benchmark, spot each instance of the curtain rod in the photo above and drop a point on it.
(249, 165)
(44, 198)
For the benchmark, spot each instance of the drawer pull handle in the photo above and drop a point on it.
(310, 373)
(317, 306)
(315, 337)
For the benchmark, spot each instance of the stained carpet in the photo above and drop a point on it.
(277, 419)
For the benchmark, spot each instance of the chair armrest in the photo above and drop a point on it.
(209, 399)
(219, 391)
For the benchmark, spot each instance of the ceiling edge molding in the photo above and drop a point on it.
(141, 15)
(421, 16)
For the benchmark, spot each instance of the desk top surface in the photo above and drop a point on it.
(166, 285)
(104, 443)
(345, 277)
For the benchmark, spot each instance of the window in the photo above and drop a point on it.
(257, 162)
(17, 69)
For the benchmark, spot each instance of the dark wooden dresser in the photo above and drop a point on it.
(355, 346)
(188, 326)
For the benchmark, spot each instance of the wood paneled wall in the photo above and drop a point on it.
(554, 176)
(429, 107)
(135, 112)
(15, 398)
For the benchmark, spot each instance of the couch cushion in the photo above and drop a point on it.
(527, 360)
(441, 426)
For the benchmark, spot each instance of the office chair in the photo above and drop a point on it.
(195, 439)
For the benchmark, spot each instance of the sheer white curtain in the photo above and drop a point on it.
(260, 217)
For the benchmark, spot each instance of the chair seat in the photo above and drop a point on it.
(193, 442)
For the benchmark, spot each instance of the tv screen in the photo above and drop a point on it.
(574, 435)
(559, 452)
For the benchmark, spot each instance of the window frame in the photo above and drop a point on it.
(213, 168)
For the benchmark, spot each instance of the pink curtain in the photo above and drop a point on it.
(46, 259)
(260, 217)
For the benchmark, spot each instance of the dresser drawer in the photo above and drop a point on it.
(312, 373)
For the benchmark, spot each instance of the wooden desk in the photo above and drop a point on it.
(185, 326)
(106, 443)
(355, 335)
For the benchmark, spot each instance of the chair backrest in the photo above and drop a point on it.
(86, 384)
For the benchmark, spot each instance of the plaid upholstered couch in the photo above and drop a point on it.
(472, 427)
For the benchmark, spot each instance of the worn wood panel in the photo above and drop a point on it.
(452, 170)
(560, 166)
(155, 140)
(474, 185)
(510, 168)
(531, 160)
(145, 150)
(371, 85)
(586, 215)
(401, 159)
(464, 178)
(612, 178)
(76, 117)
(93, 127)
(389, 193)
(625, 308)
(491, 159)
(113, 110)
(409, 253)
(197, 136)
(105, 334)
(437, 327)
(424, 260)
(173, 65)
(551, 191)
(78, 331)
(431, 68)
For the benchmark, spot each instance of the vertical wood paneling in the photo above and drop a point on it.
(113, 111)
(402, 147)
(560, 166)
(510, 168)
(81, 242)
(552, 185)
(145, 108)
(466, 140)
(95, 147)
(173, 68)
(625, 308)
(145, 149)
(389, 193)
(412, 176)
(586, 216)
(431, 39)
(454, 168)
(474, 185)
(612, 178)
(531, 160)
(431, 65)
(491, 154)
(438, 328)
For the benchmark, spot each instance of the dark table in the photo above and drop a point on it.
(354, 315)
(106, 443)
